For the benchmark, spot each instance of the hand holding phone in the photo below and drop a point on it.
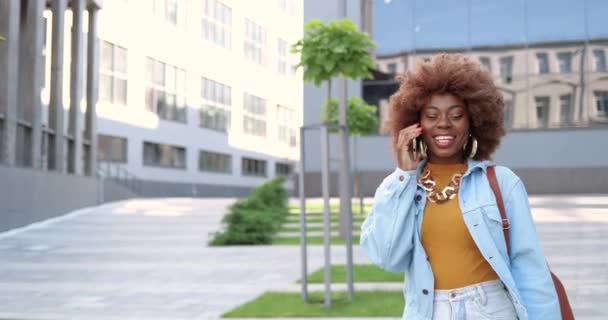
(409, 147)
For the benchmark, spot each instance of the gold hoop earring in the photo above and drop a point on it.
(423, 149)
(414, 149)
(473, 147)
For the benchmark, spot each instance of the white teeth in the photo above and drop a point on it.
(444, 138)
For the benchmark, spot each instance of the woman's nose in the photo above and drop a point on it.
(443, 122)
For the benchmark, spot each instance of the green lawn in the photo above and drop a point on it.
(284, 304)
(334, 228)
(333, 207)
(361, 272)
(320, 219)
(320, 215)
(311, 240)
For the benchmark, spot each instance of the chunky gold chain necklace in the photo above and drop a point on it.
(432, 191)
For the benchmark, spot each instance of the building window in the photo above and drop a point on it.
(565, 62)
(506, 69)
(543, 62)
(215, 107)
(254, 118)
(287, 130)
(485, 61)
(288, 5)
(217, 23)
(391, 68)
(214, 162)
(282, 59)
(167, 9)
(113, 74)
(165, 90)
(565, 109)
(600, 60)
(255, 42)
(508, 116)
(282, 169)
(601, 103)
(542, 111)
(111, 148)
(164, 155)
(253, 167)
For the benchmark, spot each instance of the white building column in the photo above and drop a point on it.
(92, 89)
(75, 163)
(30, 83)
(56, 122)
(9, 61)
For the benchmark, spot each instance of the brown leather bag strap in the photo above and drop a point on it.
(564, 303)
(501, 205)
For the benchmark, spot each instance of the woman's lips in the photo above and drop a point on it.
(444, 141)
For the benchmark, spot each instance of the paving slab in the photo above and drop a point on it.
(149, 259)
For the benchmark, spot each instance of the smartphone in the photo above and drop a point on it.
(418, 146)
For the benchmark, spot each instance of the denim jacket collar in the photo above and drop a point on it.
(471, 166)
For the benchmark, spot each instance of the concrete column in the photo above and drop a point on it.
(9, 61)
(56, 102)
(92, 89)
(75, 127)
(30, 77)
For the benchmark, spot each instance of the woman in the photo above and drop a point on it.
(436, 218)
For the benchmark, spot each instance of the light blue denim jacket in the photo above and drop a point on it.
(390, 236)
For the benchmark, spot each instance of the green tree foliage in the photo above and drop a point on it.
(334, 49)
(361, 118)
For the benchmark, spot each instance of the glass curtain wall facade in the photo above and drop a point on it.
(547, 57)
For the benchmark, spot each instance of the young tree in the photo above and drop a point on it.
(327, 51)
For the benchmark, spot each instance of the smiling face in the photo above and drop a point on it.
(445, 124)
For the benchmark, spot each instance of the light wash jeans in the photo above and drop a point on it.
(482, 301)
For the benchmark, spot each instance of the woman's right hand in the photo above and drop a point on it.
(406, 159)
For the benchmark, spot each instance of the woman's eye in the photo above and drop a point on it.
(457, 116)
(431, 116)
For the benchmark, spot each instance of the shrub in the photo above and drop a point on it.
(255, 219)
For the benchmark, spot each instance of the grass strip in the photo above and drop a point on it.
(311, 240)
(378, 303)
(361, 272)
(320, 220)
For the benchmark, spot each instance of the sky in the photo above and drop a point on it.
(443, 23)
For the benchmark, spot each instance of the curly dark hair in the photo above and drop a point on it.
(464, 78)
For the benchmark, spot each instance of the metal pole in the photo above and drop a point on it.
(326, 216)
(582, 72)
(302, 192)
(346, 224)
(358, 173)
(527, 52)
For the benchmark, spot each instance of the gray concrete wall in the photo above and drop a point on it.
(537, 181)
(115, 192)
(28, 196)
(548, 161)
(156, 189)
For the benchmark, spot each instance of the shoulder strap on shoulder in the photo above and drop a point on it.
(501, 205)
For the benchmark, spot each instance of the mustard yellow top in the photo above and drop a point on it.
(455, 259)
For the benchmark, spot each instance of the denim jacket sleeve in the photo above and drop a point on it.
(388, 231)
(528, 265)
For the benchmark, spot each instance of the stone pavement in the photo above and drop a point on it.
(148, 259)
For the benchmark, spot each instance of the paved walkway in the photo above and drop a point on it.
(148, 259)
